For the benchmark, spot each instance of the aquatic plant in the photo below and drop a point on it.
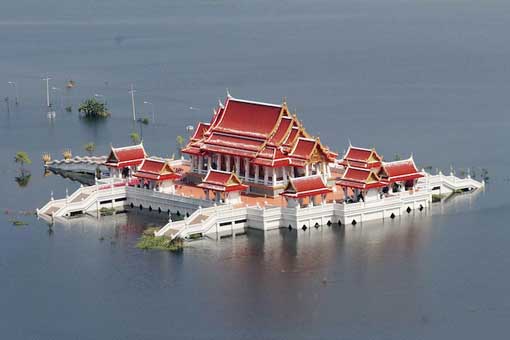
(147, 242)
(69, 108)
(437, 198)
(135, 138)
(92, 108)
(18, 223)
(90, 148)
(107, 211)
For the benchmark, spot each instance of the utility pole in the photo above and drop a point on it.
(15, 90)
(47, 79)
(132, 91)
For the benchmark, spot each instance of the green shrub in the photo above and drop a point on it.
(161, 243)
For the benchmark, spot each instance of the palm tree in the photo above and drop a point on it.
(180, 144)
(22, 158)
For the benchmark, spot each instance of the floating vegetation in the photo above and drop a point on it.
(107, 211)
(18, 223)
(69, 108)
(149, 241)
(437, 197)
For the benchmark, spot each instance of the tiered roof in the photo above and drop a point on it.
(398, 171)
(361, 158)
(265, 133)
(223, 181)
(126, 156)
(300, 187)
(156, 170)
(360, 178)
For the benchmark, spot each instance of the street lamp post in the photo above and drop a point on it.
(132, 91)
(15, 90)
(152, 106)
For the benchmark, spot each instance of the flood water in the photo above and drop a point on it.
(428, 77)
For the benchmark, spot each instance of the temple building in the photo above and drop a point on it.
(262, 144)
(124, 161)
(361, 184)
(367, 177)
(361, 158)
(400, 175)
(308, 187)
(158, 175)
(225, 186)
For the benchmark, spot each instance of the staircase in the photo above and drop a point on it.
(200, 222)
(84, 199)
(447, 184)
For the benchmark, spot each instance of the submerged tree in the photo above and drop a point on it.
(180, 144)
(90, 148)
(22, 158)
(23, 178)
(92, 108)
(135, 138)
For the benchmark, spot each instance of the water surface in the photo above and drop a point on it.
(428, 77)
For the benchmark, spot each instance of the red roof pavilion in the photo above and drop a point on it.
(264, 133)
(300, 187)
(223, 181)
(360, 178)
(126, 156)
(400, 171)
(361, 158)
(156, 170)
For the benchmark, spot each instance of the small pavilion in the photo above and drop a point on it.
(227, 187)
(124, 161)
(361, 158)
(299, 188)
(158, 175)
(361, 184)
(400, 175)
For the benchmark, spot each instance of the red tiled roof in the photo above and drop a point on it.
(361, 157)
(264, 133)
(156, 169)
(200, 131)
(360, 178)
(249, 118)
(403, 170)
(222, 181)
(126, 156)
(299, 187)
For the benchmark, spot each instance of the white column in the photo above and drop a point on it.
(246, 168)
(306, 170)
(218, 162)
(256, 173)
(238, 165)
(284, 169)
(274, 176)
(209, 162)
(227, 160)
(200, 164)
(265, 175)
